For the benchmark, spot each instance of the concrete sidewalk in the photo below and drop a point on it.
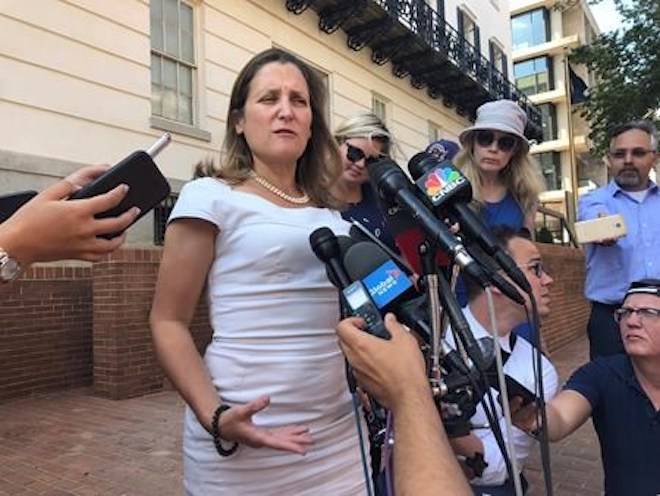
(71, 443)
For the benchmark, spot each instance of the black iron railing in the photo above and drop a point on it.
(161, 214)
(554, 228)
(421, 44)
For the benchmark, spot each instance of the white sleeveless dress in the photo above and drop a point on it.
(273, 314)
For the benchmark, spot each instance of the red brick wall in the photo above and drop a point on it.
(570, 310)
(125, 365)
(55, 319)
(45, 338)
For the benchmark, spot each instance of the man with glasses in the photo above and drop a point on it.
(612, 264)
(622, 395)
(518, 357)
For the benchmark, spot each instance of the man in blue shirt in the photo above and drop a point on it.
(612, 264)
(622, 395)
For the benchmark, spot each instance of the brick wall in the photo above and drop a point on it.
(125, 365)
(54, 319)
(570, 310)
(45, 338)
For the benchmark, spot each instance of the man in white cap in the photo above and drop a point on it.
(622, 395)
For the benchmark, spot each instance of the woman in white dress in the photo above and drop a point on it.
(268, 410)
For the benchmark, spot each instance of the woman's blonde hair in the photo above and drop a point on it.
(521, 176)
(365, 125)
(320, 164)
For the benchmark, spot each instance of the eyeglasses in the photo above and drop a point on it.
(622, 153)
(537, 267)
(646, 314)
(353, 153)
(505, 143)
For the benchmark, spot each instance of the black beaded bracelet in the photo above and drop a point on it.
(215, 432)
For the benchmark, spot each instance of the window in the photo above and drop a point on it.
(434, 132)
(379, 107)
(534, 75)
(530, 29)
(551, 169)
(549, 117)
(468, 28)
(172, 61)
(498, 58)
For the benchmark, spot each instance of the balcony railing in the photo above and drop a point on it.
(421, 44)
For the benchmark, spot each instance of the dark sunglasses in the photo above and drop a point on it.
(353, 153)
(505, 143)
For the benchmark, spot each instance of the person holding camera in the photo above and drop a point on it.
(612, 264)
(621, 393)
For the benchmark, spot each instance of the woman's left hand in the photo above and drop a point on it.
(236, 425)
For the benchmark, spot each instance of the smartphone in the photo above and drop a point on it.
(600, 228)
(147, 185)
(359, 301)
(515, 389)
(12, 202)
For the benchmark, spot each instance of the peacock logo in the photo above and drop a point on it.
(439, 179)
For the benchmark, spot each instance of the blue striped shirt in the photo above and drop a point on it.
(611, 269)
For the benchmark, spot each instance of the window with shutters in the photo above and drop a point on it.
(497, 56)
(468, 28)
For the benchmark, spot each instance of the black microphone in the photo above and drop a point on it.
(388, 285)
(326, 247)
(391, 291)
(393, 186)
(491, 268)
(448, 189)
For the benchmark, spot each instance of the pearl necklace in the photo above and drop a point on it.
(301, 200)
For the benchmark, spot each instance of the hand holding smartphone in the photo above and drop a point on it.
(147, 185)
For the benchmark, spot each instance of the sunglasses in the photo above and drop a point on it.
(621, 154)
(646, 314)
(353, 153)
(505, 143)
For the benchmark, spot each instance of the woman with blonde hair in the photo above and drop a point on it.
(506, 181)
(271, 386)
(362, 137)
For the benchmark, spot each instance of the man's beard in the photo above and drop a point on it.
(629, 177)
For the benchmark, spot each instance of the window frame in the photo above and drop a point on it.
(533, 42)
(549, 69)
(159, 120)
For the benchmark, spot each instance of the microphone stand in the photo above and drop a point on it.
(430, 283)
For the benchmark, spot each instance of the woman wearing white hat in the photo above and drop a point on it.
(506, 181)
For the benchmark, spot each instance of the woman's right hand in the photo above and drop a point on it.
(236, 425)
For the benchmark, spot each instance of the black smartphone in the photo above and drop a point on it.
(361, 305)
(514, 388)
(12, 202)
(147, 185)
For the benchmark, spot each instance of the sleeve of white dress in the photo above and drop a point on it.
(200, 199)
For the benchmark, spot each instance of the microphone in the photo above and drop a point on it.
(491, 268)
(392, 291)
(395, 188)
(388, 285)
(327, 249)
(447, 188)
